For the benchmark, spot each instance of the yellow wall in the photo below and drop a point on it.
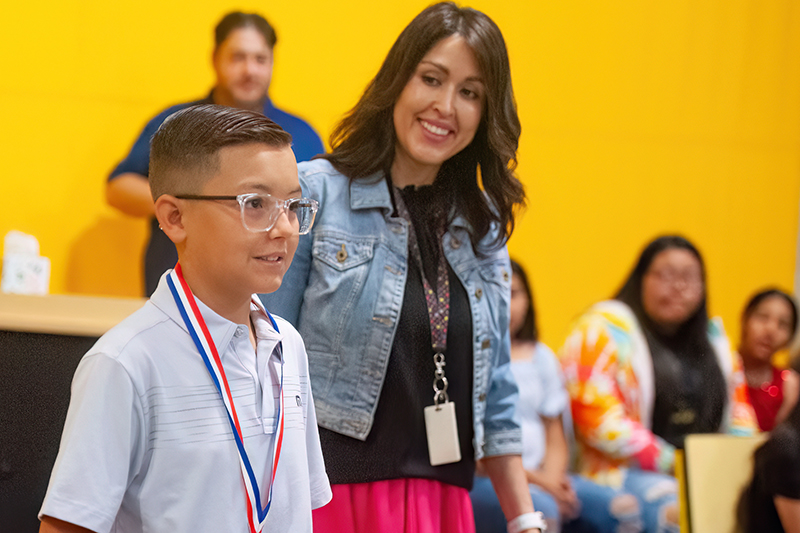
(639, 118)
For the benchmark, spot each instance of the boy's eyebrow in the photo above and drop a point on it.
(260, 187)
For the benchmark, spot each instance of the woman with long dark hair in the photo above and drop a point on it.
(405, 283)
(646, 369)
(769, 321)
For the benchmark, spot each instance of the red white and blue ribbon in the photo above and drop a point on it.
(187, 305)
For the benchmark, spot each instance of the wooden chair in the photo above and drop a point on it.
(712, 470)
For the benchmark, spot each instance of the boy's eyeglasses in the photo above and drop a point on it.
(260, 212)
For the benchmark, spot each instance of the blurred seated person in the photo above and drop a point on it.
(242, 61)
(769, 322)
(771, 503)
(646, 369)
(542, 402)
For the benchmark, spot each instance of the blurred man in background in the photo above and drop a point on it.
(242, 61)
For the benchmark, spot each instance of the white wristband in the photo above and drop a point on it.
(527, 521)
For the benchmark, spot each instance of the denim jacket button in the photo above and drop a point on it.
(505, 275)
(455, 244)
(482, 397)
(485, 344)
(478, 293)
(341, 255)
(397, 228)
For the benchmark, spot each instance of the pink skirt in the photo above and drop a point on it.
(396, 506)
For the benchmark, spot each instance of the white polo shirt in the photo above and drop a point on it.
(147, 445)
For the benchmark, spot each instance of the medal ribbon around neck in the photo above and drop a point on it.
(187, 305)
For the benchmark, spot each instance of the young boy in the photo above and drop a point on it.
(195, 413)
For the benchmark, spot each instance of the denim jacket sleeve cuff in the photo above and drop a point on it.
(507, 442)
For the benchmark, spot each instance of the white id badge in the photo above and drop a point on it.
(440, 425)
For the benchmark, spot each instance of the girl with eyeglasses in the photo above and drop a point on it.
(646, 369)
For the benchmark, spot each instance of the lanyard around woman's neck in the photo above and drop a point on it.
(438, 301)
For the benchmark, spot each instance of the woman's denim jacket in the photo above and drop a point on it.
(344, 291)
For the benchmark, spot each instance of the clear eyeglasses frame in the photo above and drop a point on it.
(260, 212)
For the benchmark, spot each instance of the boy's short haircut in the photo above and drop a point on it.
(184, 152)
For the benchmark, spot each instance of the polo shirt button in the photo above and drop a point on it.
(239, 331)
(478, 293)
(482, 397)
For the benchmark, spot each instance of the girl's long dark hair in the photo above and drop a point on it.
(693, 333)
(364, 141)
(762, 295)
(529, 330)
(690, 343)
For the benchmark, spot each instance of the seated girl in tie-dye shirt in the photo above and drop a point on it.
(646, 369)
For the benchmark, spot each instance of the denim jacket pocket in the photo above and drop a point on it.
(341, 251)
(495, 283)
(341, 268)
(496, 277)
(496, 271)
(342, 265)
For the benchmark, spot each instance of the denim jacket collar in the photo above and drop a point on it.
(372, 193)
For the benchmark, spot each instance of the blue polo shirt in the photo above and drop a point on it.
(160, 254)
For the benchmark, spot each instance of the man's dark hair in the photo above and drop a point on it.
(237, 20)
(184, 152)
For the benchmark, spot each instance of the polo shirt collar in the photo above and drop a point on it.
(221, 329)
(266, 335)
